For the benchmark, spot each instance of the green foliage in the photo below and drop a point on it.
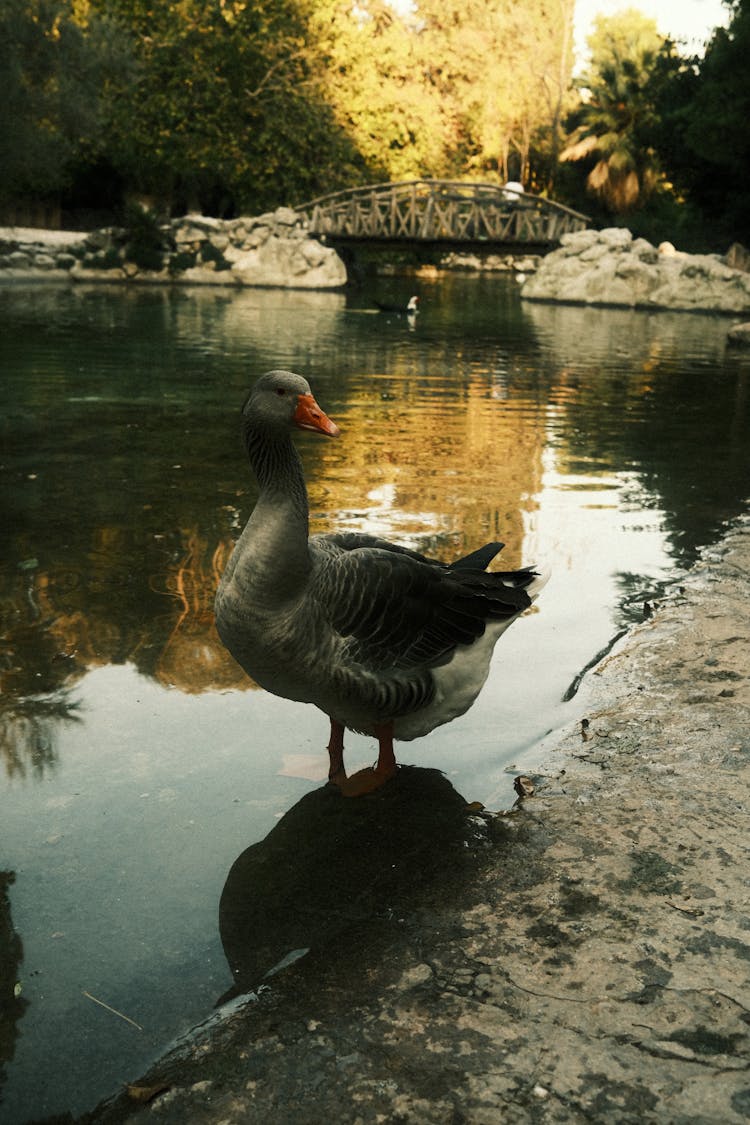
(611, 127)
(225, 109)
(51, 74)
(702, 129)
(468, 88)
(181, 261)
(231, 106)
(104, 260)
(145, 243)
(209, 253)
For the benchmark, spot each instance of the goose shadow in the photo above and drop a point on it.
(335, 869)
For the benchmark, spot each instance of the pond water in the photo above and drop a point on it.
(136, 761)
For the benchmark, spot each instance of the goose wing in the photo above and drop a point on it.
(395, 609)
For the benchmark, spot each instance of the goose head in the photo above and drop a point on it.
(281, 401)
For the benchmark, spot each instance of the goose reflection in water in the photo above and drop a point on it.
(331, 868)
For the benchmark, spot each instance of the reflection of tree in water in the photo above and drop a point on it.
(190, 656)
(12, 1006)
(34, 677)
(60, 622)
(680, 427)
(27, 732)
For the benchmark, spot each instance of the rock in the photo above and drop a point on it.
(82, 272)
(577, 241)
(609, 267)
(526, 265)
(18, 260)
(489, 263)
(189, 235)
(205, 223)
(616, 236)
(206, 274)
(286, 217)
(739, 335)
(290, 264)
(219, 241)
(255, 237)
(99, 239)
(737, 257)
(269, 250)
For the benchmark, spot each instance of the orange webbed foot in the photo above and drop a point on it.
(365, 781)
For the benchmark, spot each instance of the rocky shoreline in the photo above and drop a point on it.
(273, 250)
(610, 267)
(583, 958)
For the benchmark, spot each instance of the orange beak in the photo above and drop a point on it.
(309, 416)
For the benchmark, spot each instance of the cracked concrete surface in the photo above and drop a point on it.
(585, 958)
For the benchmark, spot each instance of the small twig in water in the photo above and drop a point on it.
(113, 1010)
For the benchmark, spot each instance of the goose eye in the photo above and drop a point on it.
(280, 391)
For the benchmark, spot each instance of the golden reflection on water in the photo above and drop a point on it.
(422, 464)
(438, 473)
(445, 445)
(192, 658)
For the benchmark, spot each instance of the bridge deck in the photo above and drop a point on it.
(441, 212)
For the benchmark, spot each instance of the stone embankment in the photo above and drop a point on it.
(270, 250)
(584, 959)
(610, 267)
(518, 264)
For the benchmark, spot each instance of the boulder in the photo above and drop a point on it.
(289, 263)
(610, 267)
(739, 335)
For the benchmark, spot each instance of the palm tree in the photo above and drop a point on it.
(616, 112)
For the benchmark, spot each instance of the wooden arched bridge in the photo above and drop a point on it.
(446, 214)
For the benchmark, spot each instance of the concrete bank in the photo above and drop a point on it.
(584, 959)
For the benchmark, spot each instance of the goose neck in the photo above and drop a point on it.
(278, 470)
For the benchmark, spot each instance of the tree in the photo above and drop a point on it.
(463, 88)
(612, 126)
(380, 89)
(225, 108)
(702, 134)
(501, 69)
(228, 105)
(51, 71)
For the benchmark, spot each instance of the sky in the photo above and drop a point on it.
(688, 22)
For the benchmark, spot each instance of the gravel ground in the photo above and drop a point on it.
(583, 958)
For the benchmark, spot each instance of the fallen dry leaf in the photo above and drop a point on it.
(144, 1094)
(523, 786)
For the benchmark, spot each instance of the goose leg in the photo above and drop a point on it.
(368, 780)
(386, 766)
(336, 772)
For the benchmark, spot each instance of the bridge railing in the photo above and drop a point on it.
(440, 211)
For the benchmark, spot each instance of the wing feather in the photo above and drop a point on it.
(396, 609)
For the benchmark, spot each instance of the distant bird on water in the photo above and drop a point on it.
(383, 640)
(411, 308)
